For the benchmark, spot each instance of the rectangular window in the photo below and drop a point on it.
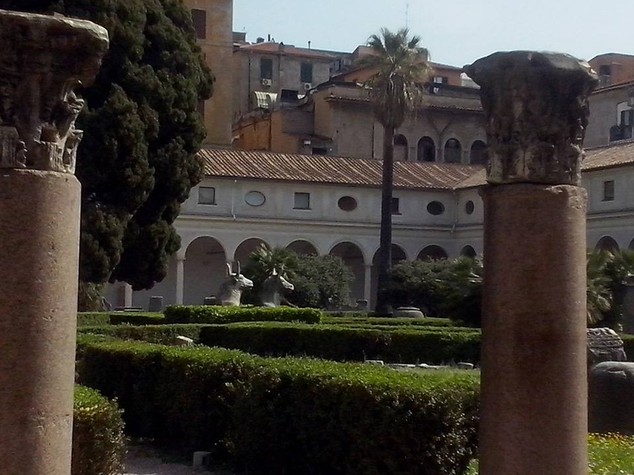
(199, 19)
(302, 201)
(395, 206)
(266, 68)
(627, 117)
(608, 190)
(306, 73)
(206, 195)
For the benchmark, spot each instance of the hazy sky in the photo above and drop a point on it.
(456, 32)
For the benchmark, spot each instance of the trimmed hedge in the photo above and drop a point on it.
(346, 344)
(290, 415)
(98, 441)
(118, 318)
(365, 319)
(163, 334)
(220, 314)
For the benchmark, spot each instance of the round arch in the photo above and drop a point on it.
(401, 150)
(607, 243)
(432, 251)
(246, 247)
(478, 155)
(303, 248)
(468, 251)
(352, 257)
(398, 255)
(452, 151)
(204, 269)
(426, 150)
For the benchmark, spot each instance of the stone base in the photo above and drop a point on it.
(39, 231)
(534, 374)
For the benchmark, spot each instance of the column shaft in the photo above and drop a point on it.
(534, 382)
(39, 228)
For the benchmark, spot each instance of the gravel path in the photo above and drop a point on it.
(143, 460)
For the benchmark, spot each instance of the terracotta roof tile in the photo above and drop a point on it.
(331, 170)
(615, 155)
(327, 169)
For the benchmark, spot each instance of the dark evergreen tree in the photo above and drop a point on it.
(137, 161)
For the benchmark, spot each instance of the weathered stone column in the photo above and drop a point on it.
(43, 58)
(534, 382)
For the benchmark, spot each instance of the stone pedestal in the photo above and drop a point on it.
(533, 403)
(39, 226)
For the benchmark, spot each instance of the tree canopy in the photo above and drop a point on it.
(137, 161)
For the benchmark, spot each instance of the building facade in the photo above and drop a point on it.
(329, 205)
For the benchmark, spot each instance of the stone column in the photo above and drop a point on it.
(180, 279)
(42, 60)
(534, 381)
(367, 283)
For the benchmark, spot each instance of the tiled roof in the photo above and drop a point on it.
(257, 165)
(331, 170)
(614, 155)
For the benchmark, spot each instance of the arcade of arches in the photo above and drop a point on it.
(203, 268)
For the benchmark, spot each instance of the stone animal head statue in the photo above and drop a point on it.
(231, 289)
(272, 288)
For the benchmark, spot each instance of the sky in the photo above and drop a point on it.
(456, 32)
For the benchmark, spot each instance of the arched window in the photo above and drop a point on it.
(468, 251)
(426, 150)
(400, 148)
(432, 252)
(607, 243)
(478, 154)
(453, 151)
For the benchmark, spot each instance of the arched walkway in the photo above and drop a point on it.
(468, 251)
(398, 255)
(244, 250)
(478, 155)
(453, 151)
(352, 257)
(303, 248)
(205, 262)
(426, 150)
(432, 252)
(607, 243)
(401, 152)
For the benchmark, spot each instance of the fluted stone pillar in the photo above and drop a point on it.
(534, 381)
(42, 60)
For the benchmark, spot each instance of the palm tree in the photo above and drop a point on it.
(395, 89)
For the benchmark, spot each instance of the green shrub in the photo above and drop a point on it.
(118, 318)
(98, 441)
(219, 314)
(137, 318)
(290, 415)
(346, 344)
(92, 318)
(164, 334)
(364, 318)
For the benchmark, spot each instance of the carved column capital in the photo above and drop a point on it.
(536, 106)
(44, 58)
